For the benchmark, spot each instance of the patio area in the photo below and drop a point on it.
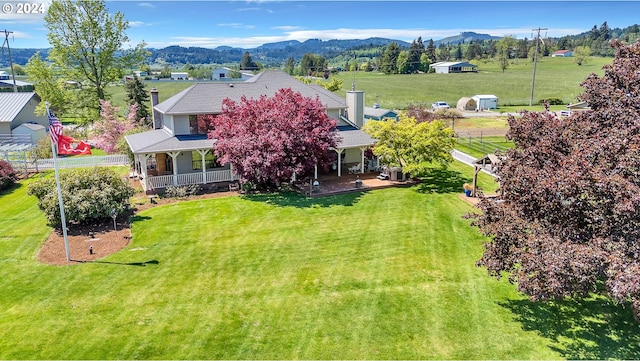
(331, 185)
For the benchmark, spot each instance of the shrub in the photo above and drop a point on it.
(181, 191)
(7, 175)
(89, 195)
(551, 101)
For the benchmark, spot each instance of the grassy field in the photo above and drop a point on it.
(555, 78)
(387, 274)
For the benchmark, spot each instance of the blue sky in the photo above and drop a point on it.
(247, 24)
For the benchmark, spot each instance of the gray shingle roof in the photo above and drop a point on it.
(206, 98)
(159, 140)
(12, 103)
(352, 137)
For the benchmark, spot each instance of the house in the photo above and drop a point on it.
(486, 101)
(17, 109)
(377, 113)
(31, 131)
(7, 82)
(177, 151)
(562, 54)
(179, 76)
(223, 74)
(446, 67)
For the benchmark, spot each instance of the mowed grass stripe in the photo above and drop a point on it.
(385, 274)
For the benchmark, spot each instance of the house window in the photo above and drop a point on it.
(209, 160)
(200, 124)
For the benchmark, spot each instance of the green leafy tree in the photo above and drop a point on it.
(581, 55)
(136, 94)
(88, 47)
(332, 85)
(49, 88)
(88, 194)
(410, 144)
(403, 62)
(313, 65)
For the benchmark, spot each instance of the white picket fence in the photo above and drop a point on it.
(83, 162)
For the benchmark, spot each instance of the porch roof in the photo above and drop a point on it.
(352, 137)
(160, 140)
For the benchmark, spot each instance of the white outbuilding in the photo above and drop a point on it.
(485, 101)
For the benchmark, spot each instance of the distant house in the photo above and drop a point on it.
(6, 83)
(17, 109)
(446, 67)
(223, 74)
(562, 54)
(377, 113)
(485, 101)
(179, 76)
(31, 131)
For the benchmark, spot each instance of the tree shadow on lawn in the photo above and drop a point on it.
(593, 328)
(12, 188)
(292, 199)
(438, 180)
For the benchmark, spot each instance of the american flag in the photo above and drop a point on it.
(55, 127)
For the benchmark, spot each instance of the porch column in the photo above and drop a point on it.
(203, 153)
(315, 171)
(174, 160)
(339, 151)
(143, 168)
(233, 175)
(362, 150)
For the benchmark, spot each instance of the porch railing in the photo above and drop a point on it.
(163, 181)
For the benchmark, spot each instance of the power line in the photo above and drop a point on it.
(6, 41)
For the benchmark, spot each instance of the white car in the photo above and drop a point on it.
(440, 105)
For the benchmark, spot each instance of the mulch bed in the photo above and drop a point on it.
(105, 240)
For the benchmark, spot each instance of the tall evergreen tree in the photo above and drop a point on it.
(247, 63)
(136, 94)
(389, 59)
(415, 51)
(289, 66)
(431, 51)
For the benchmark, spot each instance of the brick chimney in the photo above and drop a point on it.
(157, 116)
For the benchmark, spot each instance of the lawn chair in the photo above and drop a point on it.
(354, 169)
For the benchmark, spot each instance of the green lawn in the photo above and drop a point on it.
(387, 274)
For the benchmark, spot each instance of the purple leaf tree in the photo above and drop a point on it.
(566, 223)
(268, 140)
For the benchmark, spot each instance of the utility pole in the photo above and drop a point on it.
(535, 63)
(13, 75)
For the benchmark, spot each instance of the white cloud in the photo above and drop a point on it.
(146, 5)
(237, 26)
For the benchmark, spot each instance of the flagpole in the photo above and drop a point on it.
(61, 204)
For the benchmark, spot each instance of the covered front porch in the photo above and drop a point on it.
(158, 171)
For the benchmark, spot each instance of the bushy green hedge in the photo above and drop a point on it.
(551, 101)
(7, 175)
(89, 195)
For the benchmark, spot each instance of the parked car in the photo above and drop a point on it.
(440, 105)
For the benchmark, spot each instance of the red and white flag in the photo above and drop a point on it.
(66, 145)
(71, 146)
